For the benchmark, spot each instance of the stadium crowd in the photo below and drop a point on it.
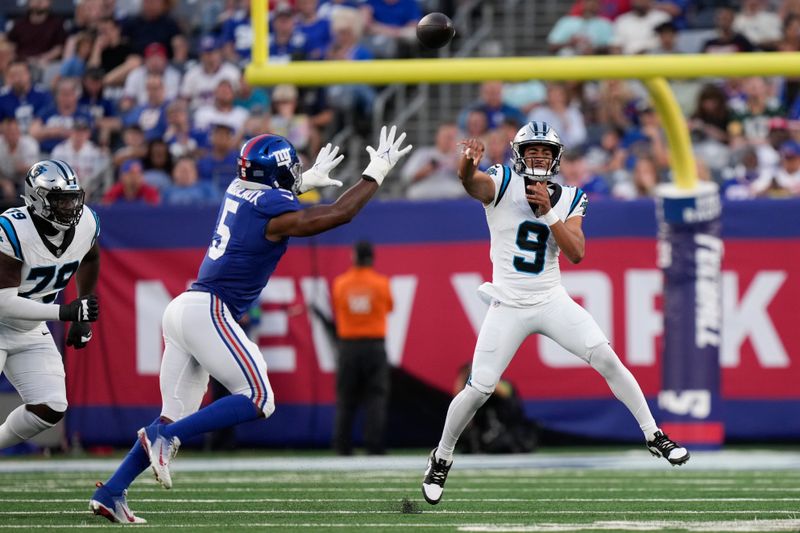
(146, 99)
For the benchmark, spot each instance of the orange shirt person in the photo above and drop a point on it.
(361, 302)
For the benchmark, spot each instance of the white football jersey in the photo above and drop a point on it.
(523, 250)
(46, 267)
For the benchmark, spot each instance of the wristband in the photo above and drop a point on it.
(550, 218)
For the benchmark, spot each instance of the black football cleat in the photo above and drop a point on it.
(662, 446)
(435, 476)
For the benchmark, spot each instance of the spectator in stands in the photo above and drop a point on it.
(201, 81)
(218, 167)
(490, 103)
(131, 187)
(728, 40)
(575, 172)
(784, 180)
(790, 41)
(391, 26)
(7, 54)
(614, 99)
(667, 34)
(711, 117)
(153, 24)
(327, 7)
(758, 24)
(151, 116)
(354, 100)
(586, 34)
(647, 136)
(524, 96)
(750, 115)
(286, 43)
(222, 111)
(180, 137)
(634, 31)
(477, 125)
(20, 98)
(133, 145)
(431, 171)
(789, 7)
(76, 55)
(609, 9)
(608, 158)
(91, 163)
(287, 122)
(102, 110)
(155, 63)
(236, 34)
(563, 115)
(316, 31)
(257, 124)
(158, 165)
(53, 124)
(39, 36)
(18, 153)
(88, 14)
(186, 189)
(738, 178)
(112, 54)
(181, 52)
(643, 181)
(498, 151)
(254, 99)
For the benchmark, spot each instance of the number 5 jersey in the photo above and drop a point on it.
(523, 250)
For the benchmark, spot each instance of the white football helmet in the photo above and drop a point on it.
(52, 192)
(536, 133)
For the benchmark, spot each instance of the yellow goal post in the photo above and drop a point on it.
(652, 70)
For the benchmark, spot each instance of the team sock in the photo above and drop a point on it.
(624, 386)
(21, 425)
(134, 464)
(461, 410)
(223, 413)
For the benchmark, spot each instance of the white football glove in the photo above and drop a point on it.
(382, 160)
(317, 176)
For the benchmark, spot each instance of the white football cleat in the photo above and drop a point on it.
(160, 450)
(115, 508)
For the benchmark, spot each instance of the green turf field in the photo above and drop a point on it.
(522, 499)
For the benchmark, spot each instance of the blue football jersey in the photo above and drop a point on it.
(240, 260)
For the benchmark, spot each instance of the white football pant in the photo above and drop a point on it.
(201, 338)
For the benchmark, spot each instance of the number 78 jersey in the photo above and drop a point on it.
(46, 267)
(524, 252)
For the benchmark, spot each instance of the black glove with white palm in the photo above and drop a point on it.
(382, 160)
(318, 175)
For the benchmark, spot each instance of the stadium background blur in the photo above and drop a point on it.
(147, 101)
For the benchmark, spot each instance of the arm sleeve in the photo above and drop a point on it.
(501, 175)
(14, 306)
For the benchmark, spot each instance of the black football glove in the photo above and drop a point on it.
(79, 335)
(84, 309)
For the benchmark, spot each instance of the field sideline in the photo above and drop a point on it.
(576, 491)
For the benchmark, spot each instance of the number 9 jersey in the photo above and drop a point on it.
(46, 266)
(523, 250)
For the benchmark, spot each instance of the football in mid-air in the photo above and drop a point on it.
(435, 30)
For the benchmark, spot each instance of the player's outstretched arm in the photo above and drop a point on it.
(320, 218)
(319, 174)
(478, 184)
(84, 309)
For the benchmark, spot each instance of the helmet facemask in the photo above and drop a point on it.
(527, 165)
(62, 209)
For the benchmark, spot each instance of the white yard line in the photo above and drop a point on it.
(393, 499)
(532, 512)
(629, 460)
(727, 526)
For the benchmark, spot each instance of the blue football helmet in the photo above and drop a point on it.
(52, 191)
(272, 161)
